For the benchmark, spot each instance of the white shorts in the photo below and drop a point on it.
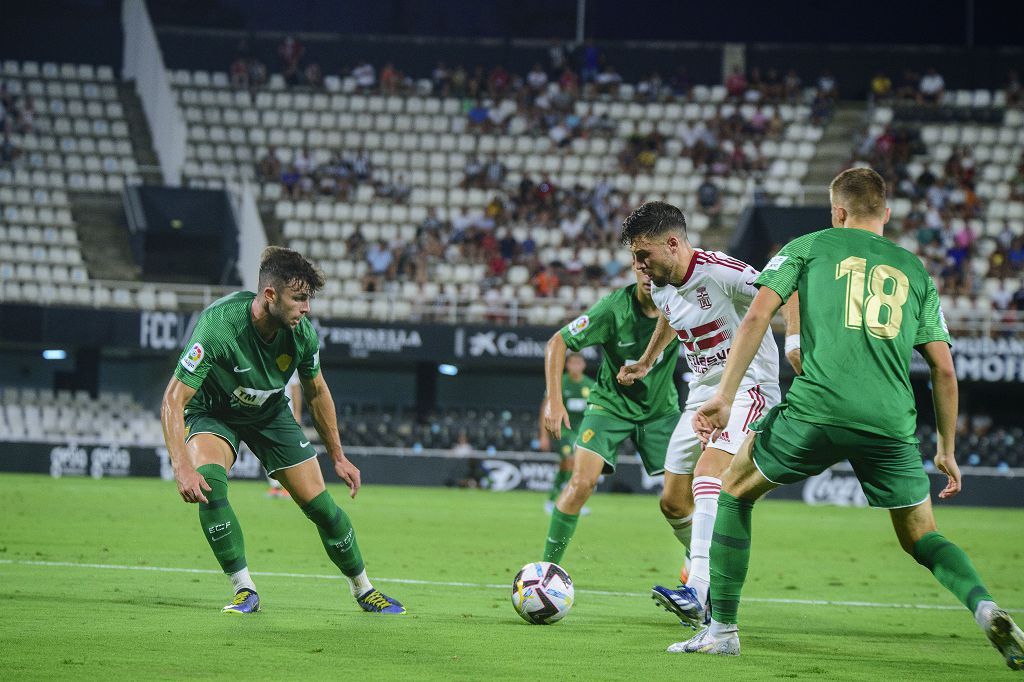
(752, 402)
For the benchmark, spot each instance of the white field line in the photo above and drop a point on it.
(439, 583)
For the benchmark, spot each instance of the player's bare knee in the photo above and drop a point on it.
(676, 507)
(579, 488)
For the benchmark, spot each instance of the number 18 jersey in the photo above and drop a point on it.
(864, 304)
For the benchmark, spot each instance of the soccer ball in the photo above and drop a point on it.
(542, 593)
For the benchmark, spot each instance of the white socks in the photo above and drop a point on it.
(242, 579)
(983, 614)
(359, 585)
(723, 629)
(682, 529)
(705, 499)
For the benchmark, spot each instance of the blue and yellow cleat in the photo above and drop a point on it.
(376, 601)
(245, 601)
(682, 603)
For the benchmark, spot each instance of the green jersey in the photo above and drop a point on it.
(619, 326)
(864, 304)
(575, 396)
(237, 375)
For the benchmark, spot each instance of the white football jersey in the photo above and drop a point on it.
(705, 311)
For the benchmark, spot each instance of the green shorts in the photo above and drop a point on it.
(602, 434)
(278, 442)
(788, 450)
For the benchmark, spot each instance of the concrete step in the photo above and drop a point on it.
(139, 134)
(102, 235)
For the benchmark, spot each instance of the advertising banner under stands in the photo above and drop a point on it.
(501, 472)
(986, 360)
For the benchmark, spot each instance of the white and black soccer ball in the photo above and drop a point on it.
(542, 593)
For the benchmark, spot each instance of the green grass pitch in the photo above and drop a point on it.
(70, 609)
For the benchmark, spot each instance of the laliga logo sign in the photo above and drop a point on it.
(830, 488)
(501, 476)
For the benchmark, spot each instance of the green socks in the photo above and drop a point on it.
(220, 525)
(952, 568)
(561, 478)
(559, 533)
(336, 533)
(730, 555)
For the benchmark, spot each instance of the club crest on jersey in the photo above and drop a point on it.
(703, 298)
(579, 324)
(284, 362)
(194, 357)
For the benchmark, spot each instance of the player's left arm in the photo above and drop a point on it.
(714, 414)
(325, 420)
(295, 393)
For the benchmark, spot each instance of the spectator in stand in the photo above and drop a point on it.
(473, 172)
(736, 84)
(537, 79)
(362, 168)
(792, 85)
(773, 87)
(1013, 89)
(257, 73)
(390, 79)
(881, 87)
(710, 198)
(556, 56)
(1017, 183)
(821, 109)
(239, 73)
(590, 61)
(828, 87)
(25, 120)
(459, 82)
(494, 175)
(608, 80)
(290, 182)
(441, 79)
(498, 81)
(365, 76)
(931, 87)
(569, 83)
(269, 167)
(313, 75)
(381, 261)
(479, 117)
(545, 282)
(290, 51)
(400, 190)
(910, 81)
(1018, 297)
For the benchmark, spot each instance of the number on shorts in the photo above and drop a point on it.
(888, 289)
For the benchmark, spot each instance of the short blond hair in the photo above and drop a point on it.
(861, 191)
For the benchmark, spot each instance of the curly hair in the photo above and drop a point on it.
(280, 266)
(650, 220)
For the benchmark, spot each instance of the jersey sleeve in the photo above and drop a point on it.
(594, 327)
(781, 274)
(738, 283)
(309, 363)
(932, 325)
(199, 355)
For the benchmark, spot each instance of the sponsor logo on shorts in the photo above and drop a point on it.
(194, 357)
(724, 437)
(776, 262)
(304, 444)
(579, 324)
(587, 435)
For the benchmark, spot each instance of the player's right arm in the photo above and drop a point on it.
(191, 484)
(945, 397)
(553, 412)
(791, 314)
(660, 339)
(544, 440)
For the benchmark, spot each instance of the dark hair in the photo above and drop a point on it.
(280, 267)
(650, 220)
(861, 191)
